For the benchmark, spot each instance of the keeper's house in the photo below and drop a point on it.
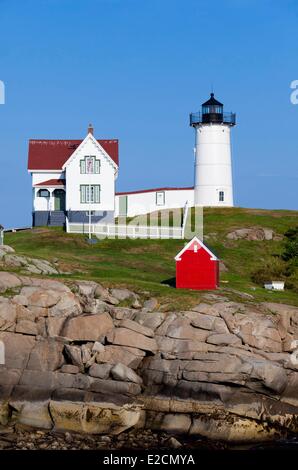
(71, 178)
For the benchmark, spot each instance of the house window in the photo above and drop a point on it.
(90, 193)
(43, 193)
(221, 196)
(89, 165)
(160, 198)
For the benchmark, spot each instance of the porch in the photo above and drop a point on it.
(49, 196)
(49, 203)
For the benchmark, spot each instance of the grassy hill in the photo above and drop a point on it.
(148, 265)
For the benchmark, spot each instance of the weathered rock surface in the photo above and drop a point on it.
(8, 281)
(74, 360)
(70, 369)
(122, 294)
(103, 294)
(113, 354)
(74, 354)
(122, 372)
(150, 320)
(67, 305)
(101, 371)
(151, 304)
(4, 249)
(17, 349)
(134, 326)
(40, 297)
(94, 418)
(126, 337)
(8, 315)
(88, 327)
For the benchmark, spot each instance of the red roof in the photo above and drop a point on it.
(152, 190)
(51, 183)
(190, 247)
(52, 154)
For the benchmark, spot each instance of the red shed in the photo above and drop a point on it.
(196, 267)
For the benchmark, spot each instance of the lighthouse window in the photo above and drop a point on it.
(221, 196)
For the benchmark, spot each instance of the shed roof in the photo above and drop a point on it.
(189, 245)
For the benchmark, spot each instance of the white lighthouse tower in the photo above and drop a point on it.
(213, 165)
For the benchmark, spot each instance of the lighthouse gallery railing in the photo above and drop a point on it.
(201, 118)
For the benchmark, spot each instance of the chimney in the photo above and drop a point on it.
(90, 129)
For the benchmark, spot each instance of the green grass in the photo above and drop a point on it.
(148, 265)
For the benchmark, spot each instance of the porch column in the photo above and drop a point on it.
(35, 191)
(51, 200)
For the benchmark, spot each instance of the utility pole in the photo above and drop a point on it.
(89, 209)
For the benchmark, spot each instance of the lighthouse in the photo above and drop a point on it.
(213, 161)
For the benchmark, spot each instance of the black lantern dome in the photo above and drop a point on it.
(212, 110)
(212, 113)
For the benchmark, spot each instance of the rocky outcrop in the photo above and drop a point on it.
(253, 233)
(77, 360)
(8, 258)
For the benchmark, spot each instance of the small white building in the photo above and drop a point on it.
(135, 203)
(275, 285)
(75, 179)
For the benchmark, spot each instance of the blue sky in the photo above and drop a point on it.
(135, 69)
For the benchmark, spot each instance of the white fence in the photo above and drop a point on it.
(135, 230)
(126, 231)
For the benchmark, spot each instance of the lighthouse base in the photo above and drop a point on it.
(210, 196)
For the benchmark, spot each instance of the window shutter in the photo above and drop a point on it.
(97, 166)
(97, 193)
(83, 194)
(83, 166)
